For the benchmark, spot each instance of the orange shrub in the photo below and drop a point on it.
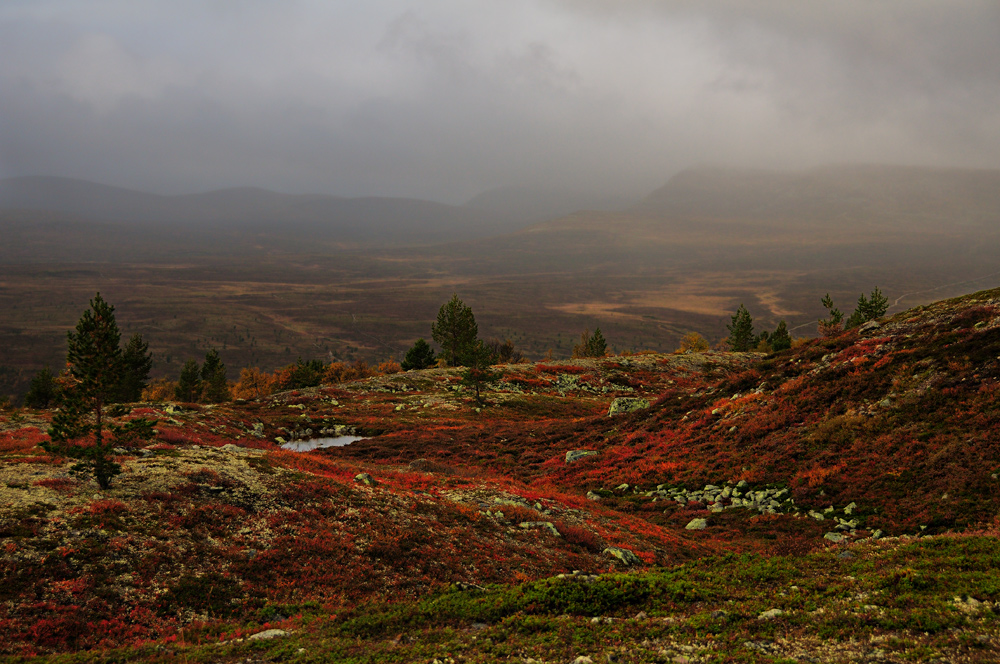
(390, 367)
(161, 389)
(254, 384)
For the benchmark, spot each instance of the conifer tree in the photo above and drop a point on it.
(868, 309)
(189, 386)
(741, 338)
(43, 390)
(597, 346)
(215, 389)
(591, 345)
(94, 378)
(830, 326)
(781, 340)
(478, 370)
(136, 365)
(455, 331)
(420, 356)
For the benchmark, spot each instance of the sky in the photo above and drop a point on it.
(443, 99)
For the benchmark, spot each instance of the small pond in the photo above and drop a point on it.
(316, 443)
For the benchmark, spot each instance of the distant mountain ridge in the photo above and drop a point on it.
(869, 193)
(366, 220)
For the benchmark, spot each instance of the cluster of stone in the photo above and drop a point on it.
(729, 496)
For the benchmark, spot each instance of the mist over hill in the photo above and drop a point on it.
(530, 205)
(862, 194)
(335, 221)
(363, 278)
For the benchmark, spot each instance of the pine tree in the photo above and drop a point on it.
(781, 340)
(420, 356)
(456, 332)
(830, 326)
(43, 390)
(741, 338)
(597, 346)
(868, 309)
(94, 362)
(591, 345)
(478, 370)
(136, 365)
(214, 387)
(189, 386)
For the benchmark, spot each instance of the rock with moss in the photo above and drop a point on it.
(576, 455)
(627, 405)
(624, 555)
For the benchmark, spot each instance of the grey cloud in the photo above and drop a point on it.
(442, 100)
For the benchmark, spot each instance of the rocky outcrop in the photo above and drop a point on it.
(627, 405)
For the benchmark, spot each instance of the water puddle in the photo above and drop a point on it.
(316, 443)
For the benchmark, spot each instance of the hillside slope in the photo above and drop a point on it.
(719, 467)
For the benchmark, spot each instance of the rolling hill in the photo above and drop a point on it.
(836, 501)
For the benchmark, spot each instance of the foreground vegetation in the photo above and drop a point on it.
(835, 501)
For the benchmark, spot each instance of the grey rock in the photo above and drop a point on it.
(868, 327)
(623, 555)
(547, 525)
(576, 455)
(267, 634)
(697, 524)
(366, 479)
(627, 405)
(592, 496)
(834, 537)
(770, 614)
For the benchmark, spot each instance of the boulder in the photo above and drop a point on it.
(547, 525)
(576, 455)
(627, 405)
(770, 614)
(623, 555)
(697, 524)
(267, 634)
(366, 479)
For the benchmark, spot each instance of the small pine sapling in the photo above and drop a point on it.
(741, 337)
(831, 326)
(478, 371)
(215, 388)
(43, 391)
(781, 340)
(189, 385)
(420, 356)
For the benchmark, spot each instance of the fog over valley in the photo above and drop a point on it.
(447, 100)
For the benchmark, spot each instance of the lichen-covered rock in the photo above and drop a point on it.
(366, 479)
(697, 524)
(623, 555)
(627, 405)
(547, 525)
(267, 634)
(576, 455)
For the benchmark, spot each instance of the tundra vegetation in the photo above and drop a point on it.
(833, 501)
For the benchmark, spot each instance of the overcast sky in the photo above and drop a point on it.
(443, 99)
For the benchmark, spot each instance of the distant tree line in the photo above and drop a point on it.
(742, 337)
